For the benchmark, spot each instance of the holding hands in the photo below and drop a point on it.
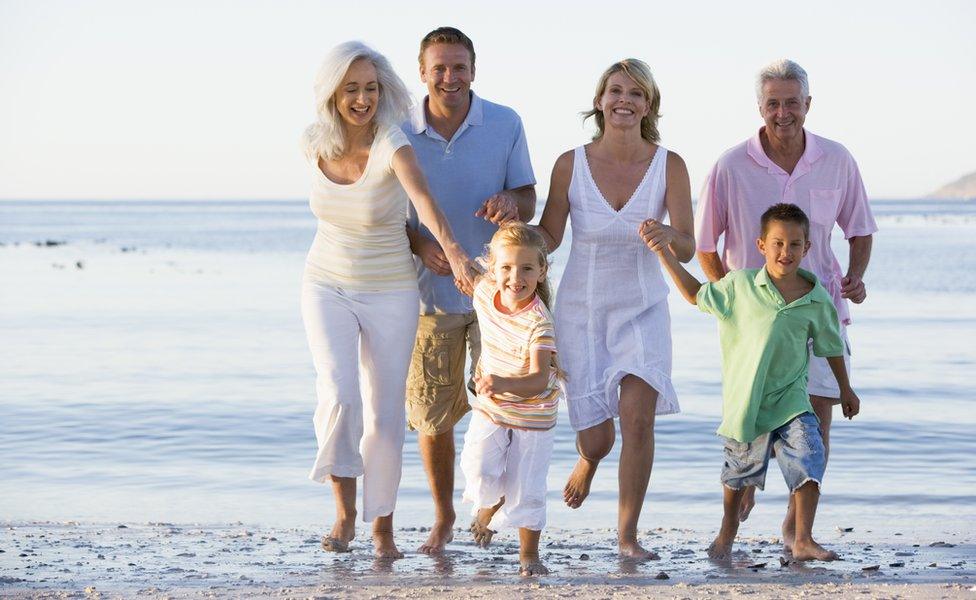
(656, 235)
(464, 270)
(499, 209)
(852, 288)
(489, 385)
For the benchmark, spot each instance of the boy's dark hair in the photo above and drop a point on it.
(446, 35)
(789, 213)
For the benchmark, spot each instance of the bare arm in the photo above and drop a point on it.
(712, 265)
(852, 285)
(552, 225)
(526, 386)
(412, 179)
(849, 402)
(683, 280)
(429, 252)
(509, 205)
(677, 199)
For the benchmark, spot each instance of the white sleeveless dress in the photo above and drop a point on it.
(612, 317)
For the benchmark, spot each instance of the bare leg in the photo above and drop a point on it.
(592, 444)
(823, 408)
(529, 553)
(344, 528)
(638, 402)
(437, 453)
(804, 547)
(721, 548)
(383, 544)
(748, 502)
(479, 526)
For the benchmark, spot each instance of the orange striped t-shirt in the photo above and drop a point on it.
(506, 344)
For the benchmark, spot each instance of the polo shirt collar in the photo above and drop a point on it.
(811, 153)
(475, 116)
(762, 280)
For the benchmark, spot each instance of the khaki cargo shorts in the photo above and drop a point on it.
(436, 394)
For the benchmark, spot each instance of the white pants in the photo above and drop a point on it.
(360, 426)
(499, 462)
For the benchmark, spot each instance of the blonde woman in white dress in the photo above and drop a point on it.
(359, 294)
(611, 309)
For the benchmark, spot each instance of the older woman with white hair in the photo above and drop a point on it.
(359, 293)
(611, 310)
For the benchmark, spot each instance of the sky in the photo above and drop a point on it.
(207, 99)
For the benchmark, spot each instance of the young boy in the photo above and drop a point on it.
(766, 319)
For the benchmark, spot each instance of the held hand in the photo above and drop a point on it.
(852, 287)
(432, 256)
(489, 385)
(499, 209)
(656, 235)
(464, 270)
(850, 403)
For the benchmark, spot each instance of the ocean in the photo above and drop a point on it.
(153, 368)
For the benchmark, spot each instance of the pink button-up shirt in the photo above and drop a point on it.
(744, 182)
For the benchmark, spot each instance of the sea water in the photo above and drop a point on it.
(153, 367)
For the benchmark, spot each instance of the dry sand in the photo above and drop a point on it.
(70, 560)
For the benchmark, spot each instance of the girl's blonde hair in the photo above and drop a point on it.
(326, 137)
(641, 74)
(517, 234)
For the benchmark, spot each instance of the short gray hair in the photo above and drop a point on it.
(326, 137)
(786, 69)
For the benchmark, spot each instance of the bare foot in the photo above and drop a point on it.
(634, 551)
(811, 550)
(479, 527)
(441, 534)
(530, 567)
(720, 550)
(789, 533)
(343, 532)
(384, 546)
(578, 486)
(747, 503)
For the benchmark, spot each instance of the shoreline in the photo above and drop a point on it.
(233, 560)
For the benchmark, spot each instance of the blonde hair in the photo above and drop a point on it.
(326, 137)
(641, 74)
(520, 235)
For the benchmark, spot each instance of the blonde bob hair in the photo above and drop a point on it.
(326, 137)
(519, 235)
(641, 74)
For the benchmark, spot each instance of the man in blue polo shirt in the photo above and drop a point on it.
(476, 160)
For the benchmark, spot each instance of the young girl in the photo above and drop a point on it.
(509, 441)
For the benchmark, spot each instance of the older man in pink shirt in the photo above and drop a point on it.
(784, 162)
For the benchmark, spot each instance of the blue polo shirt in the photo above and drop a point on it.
(488, 154)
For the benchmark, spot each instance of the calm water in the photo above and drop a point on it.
(167, 378)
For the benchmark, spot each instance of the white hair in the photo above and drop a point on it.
(784, 69)
(326, 137)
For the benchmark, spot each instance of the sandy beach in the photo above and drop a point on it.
(72, 560)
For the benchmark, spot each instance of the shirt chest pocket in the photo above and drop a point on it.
(823, 207)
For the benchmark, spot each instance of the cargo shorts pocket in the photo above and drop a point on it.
(431, 363)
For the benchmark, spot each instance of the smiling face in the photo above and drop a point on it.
(623, 102)
(358, 96)
(517, 272)
(784, 109)
(448, 73)
(784, 245)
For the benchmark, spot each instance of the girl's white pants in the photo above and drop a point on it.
(500, 462)
(360, 424)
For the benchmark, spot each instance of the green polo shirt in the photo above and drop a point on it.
(764, 348)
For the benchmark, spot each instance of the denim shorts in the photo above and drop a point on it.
(799, 450)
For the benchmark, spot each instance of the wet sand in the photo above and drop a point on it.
(72, 560)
